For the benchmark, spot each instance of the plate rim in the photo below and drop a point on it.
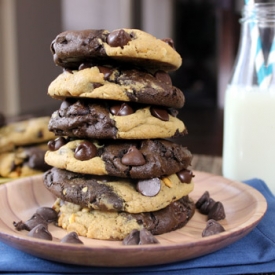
(18, 240)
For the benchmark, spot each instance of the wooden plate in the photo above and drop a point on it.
(244, 207)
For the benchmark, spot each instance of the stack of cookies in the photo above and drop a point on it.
(22, 147)
(115, 168)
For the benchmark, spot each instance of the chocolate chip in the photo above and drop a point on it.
(141, 237)
(106, 71)
(162, 114)
(163, 77)
(47, 213)
(86, 150)
(133, 157)
(31, 223)
(169, 41)
(185, 176)
(40, 134)
(40, 232)
(149, 187)
(212, 228)
(71, 237)
(132, 238)
(122, 110)
(118, 38)
(216, 212)
(207, 206)
(205, 196)
(54, 145)
(146, 237)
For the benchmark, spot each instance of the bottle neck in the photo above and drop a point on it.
(262, 14)
(257, 41)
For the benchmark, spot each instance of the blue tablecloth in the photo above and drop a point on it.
(254, 253)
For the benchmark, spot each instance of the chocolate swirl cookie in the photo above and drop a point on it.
(86, 118)
(117, 225)
(71, 48)
(116, 194)
(106, 82)
(140, 159)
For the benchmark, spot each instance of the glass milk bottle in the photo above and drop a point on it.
(249, 111)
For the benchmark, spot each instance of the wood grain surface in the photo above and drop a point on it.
(244, 207)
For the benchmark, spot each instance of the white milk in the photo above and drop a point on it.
(249, 134)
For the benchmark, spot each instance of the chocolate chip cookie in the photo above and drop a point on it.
(81, 118)
(117, 225)
(106, 82)
(23, 161)
(26, 132)
(71, 48)
(140, 159)
(116, 194)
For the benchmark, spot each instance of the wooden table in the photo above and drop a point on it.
(211, 164)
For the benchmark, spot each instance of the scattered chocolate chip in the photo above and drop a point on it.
(31, 223)
(132, 238)
(146, 237)
(71, 237)
(216, 212)
(40, 232)
(169, 41)
(185, 176)
(20, 226)
(86, 150)
(54, 145)
(163, 77)
(162, 114)
(207, 206)
(122, 110)
(149, 187)
(133, 157)
(212, 228)
(118, 38)
(47, 213)
(141, 237)
(205, 196)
